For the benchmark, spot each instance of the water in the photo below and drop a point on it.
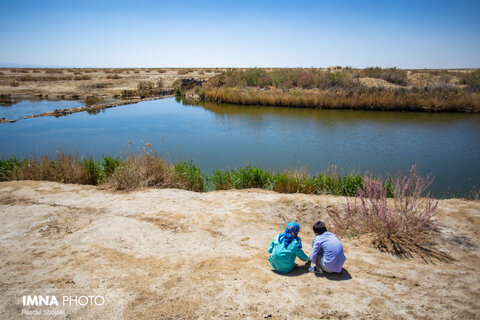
(32, 107)
(228, 136)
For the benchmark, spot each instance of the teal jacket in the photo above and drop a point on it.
(283, 259)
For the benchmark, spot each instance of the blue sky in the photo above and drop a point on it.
(405, 34)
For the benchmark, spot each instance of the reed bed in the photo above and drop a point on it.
(426, 99)
(340, 88)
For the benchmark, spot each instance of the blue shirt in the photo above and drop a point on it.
(330, 249)
(283, 259)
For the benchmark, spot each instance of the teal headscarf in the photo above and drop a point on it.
(291, 232)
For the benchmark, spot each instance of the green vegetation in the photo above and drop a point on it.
(109, 165)
(189, 176)
(148, 169)
(287, 181)
(9, 165)
(178, 92)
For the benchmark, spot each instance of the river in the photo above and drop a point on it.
(447, 145)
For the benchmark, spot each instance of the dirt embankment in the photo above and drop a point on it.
(173, 254)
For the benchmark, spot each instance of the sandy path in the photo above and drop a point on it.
(160, 254)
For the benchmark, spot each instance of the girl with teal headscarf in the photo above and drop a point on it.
(285, 248)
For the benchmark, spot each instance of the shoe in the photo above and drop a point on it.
(315, 270)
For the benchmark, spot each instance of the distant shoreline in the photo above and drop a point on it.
(390, 89)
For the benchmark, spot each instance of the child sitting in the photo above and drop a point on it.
(327, 251)
(285, 248)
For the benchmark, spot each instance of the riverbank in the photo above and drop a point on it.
(392, 89)
(178, 254)
(349, 99)
(148, 169)
(376, 89)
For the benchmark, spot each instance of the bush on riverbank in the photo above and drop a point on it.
(406, 219)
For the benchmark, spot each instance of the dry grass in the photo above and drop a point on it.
(113, 77)
(184, 71)
(64, 168)
(51, 78)
(392, 75)
(147, 88)
(363, 99)
(145, 170)
(51, 71)
(84, 77)
(282, 78)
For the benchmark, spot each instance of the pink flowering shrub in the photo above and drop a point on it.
(407, 215)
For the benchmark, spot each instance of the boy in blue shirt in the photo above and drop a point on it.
(327, 251)
(285, 248)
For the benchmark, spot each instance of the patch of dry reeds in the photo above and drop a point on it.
(424, 99)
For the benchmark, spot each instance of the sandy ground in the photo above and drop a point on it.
(174, 254)
(100, 81)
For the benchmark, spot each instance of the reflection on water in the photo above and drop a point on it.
(228, 136)
(26, 108)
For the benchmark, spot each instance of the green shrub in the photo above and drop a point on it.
(178, 92)
(109, 164)
(92, 170)
(190, 176)
(251, 177)
(351, 184)
(8, 165)
(221, 180)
